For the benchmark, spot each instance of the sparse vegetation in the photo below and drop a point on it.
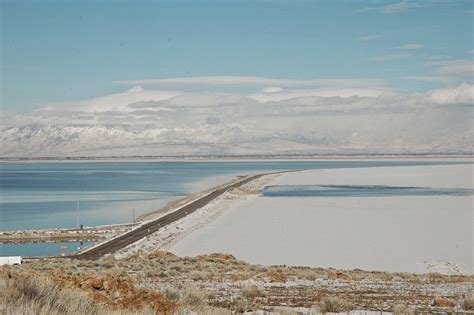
(335, 305)
(219, 283)
(399, 309)
(443, 302)
(277, 276)
(62, 292)
(193, 297)
(39, 296)
(467, 303)
(251, 292)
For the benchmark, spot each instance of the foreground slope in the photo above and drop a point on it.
(161, 282)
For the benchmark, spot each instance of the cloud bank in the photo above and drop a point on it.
(268, 116)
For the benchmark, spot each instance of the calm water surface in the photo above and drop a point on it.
(41, 249)
(360, 191)
(58, 195)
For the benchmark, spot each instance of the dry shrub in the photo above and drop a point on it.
(116, 290)
(251, 292)
(199, 275)
(436, 278)
(193, 297)
(172, 294)
(40, 296)
(467, 303)
(277, 276)
(160, 254)
(307, 274)
(399, 309)
(205, 310)
(335, 305)
(443, 302)
(217, 277)
(281, 310)
(217, 258)
(338, 275)
(239, 276)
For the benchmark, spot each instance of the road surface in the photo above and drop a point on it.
(132, 236)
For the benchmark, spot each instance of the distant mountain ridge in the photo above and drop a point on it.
(142, 122)
(77, 140)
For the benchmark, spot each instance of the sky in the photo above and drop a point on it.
(63, 50)
(99, 57)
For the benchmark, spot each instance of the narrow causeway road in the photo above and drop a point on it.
(132, 236)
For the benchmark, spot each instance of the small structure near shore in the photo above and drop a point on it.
(11, 260)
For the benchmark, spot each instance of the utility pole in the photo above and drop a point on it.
(77, 214)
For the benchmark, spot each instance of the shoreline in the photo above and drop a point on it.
(56, 235)
(165, 238)
(148, 228)
(349, 224)
(250, 158)
(168, 238)
(102, 234)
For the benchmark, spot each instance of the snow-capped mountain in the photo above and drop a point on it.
(147, 140)
(140, 123)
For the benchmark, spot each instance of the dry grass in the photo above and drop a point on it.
(239, 286)
(251, 292)
(63, 293)
(192, 297)
(277, 276)
(207, 310)
(401, 310)
(467, 303)
(443, 302)
(39, 296)
(335, 305)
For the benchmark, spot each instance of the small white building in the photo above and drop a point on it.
(10, 260)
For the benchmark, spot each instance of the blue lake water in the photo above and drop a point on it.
(41, 249)
(359, 191)
(61, 195)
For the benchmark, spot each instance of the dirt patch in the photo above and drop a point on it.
(116, 290)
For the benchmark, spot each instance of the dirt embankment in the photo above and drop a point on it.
(59, 291)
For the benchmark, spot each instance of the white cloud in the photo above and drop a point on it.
(392, 7)
(412, 46)
(136, 89)
(113, 102)
(400, 7)
(323, 92)
(231, 125)
(456, 67)
(272, 89)
(257, 82)
(218, 90)
(293, 119)
(265, 89)
(370, 37)
(428, 78)
(203, 100)
(462, 94)
(162, 100)
(389, 57)
(439, 57)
